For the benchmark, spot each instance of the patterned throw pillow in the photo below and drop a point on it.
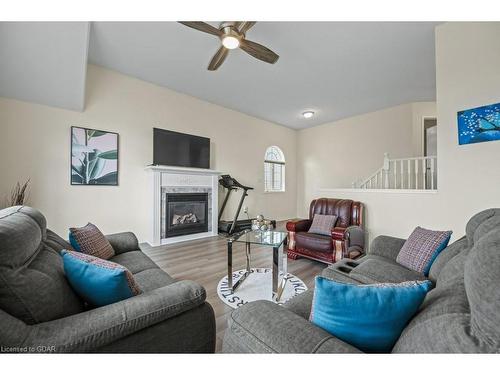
(422, 248)
(323, 224)
(97, 281)
(369, 317)
(90, 240)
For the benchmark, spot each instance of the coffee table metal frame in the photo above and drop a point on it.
(279, 263)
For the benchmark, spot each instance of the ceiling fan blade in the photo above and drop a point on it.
(243, 27)
(202, 26)
(218, 58)
(258, 51)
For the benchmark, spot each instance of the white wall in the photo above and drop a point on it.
(336, 154)
(467, 76)
(421, 111)
(35, 143)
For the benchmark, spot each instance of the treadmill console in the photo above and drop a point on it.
(230, 183)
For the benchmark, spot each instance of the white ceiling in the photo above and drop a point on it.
(44, 62)
(337, 69)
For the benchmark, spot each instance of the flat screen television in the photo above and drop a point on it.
(180, 150)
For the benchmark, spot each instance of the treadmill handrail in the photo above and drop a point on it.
(231, 183)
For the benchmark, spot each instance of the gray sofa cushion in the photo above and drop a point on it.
(476, 220)
(192, 331)
(486, 227)
(453, 271)
(338, 272)
(265, 327)
(482, 280)
(123, 242)
(33, 286)
(152, 279)
(385, 271)
(135, 261)
(301, 304)
(386, 246)
(57, 243)
(443, 303)
(445, 256)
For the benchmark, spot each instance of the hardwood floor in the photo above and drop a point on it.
(205, 261)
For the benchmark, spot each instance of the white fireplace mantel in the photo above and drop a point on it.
(182, 170)
(166, 176)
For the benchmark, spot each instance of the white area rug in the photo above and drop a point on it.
(257, 286)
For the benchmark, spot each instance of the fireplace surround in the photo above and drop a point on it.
(174, 182)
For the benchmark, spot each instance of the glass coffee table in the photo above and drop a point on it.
(275, 239)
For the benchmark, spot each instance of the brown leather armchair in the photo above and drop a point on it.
(347, 239)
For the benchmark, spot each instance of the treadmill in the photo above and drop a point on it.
(234, 226)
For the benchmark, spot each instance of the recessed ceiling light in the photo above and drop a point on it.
(308, 114)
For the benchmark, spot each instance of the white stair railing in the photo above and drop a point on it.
(415, 173)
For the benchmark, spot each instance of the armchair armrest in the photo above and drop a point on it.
(387, 246)
(298, 225)
(293, 227)
(339, 233)
(123, 242)
(265, 327)
(355, 241)
(92, 329)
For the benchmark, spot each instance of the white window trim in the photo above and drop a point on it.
(283, 173)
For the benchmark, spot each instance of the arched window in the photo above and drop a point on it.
(274, 170)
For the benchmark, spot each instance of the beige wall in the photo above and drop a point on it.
(35, 142)
(335, 155)
(468, 175)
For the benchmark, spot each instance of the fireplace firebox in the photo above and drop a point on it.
(185, 213)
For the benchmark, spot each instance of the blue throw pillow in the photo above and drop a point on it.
(369, 317)
(97, 281)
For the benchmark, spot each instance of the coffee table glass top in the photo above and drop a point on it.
(269, 237)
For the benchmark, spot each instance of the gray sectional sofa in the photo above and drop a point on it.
(39, 312)
(460, 315)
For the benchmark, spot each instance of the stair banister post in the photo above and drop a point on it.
(386, 161)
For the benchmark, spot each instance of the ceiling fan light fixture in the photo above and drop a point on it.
(230, 41)
(308, 114)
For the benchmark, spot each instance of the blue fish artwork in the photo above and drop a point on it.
(480, 124)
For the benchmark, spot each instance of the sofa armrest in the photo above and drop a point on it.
(298, 225)
(265, 327)
(123, 242)
(92, 329)
(387, 246)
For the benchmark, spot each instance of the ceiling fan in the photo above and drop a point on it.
(233, 35)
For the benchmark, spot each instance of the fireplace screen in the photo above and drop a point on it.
(185, 213)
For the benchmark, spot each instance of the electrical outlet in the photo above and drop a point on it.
(245, 209)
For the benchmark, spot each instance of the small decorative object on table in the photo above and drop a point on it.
(259, 223)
